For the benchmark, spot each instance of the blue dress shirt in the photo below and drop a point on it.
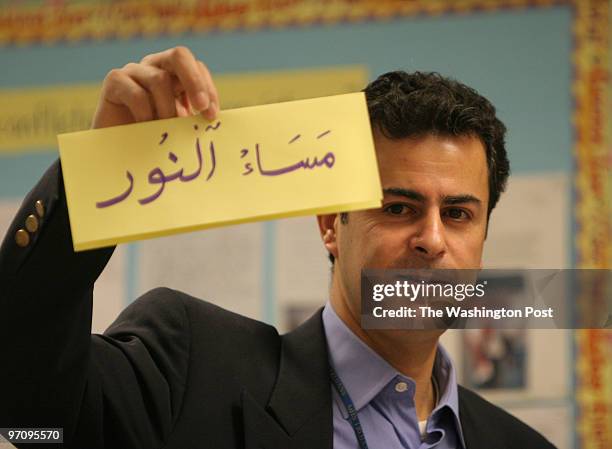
(384, 398)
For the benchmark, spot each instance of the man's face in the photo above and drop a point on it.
(434, 212)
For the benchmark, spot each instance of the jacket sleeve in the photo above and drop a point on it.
(120, 389)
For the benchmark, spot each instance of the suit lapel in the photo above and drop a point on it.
(299, 413)
(473, 424)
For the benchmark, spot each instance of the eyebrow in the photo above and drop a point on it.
(417, 196)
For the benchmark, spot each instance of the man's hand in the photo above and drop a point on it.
(163, 85)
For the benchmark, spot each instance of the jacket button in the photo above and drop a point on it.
(31, 223)
(22, 238)
(40, 208)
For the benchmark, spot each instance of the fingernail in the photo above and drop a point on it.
(201, 102)
(212, 110)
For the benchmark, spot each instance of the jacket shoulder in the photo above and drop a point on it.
(163, 308)
(188, 335)
(487, 422)
(224, 348)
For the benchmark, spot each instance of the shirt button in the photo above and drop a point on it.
(400, 387)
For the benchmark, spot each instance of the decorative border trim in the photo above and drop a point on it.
(78, 20)
(593, 213)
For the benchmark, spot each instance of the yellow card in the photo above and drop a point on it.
(262, 162)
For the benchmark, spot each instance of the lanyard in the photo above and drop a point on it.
(350, 408)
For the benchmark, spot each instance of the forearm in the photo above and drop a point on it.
(53, 372)
(45, 313)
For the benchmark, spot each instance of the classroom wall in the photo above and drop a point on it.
(520, 59)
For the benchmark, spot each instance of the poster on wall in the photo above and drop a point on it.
(221, 265)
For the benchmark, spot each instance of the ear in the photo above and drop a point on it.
(327, 229)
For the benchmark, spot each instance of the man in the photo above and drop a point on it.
(177, 372)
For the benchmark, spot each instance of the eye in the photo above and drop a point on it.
(398, 209)
(457, 214)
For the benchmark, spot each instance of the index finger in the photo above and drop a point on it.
(180, 62)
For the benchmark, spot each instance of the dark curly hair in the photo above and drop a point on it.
(405, 105)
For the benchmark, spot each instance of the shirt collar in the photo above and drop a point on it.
(444, 372)
(349, 355)
(362, 371)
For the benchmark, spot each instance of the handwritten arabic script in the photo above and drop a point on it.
(157, 177)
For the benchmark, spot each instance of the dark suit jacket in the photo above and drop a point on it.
(172, 371)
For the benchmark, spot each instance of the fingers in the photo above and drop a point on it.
(193, 75)
(212, 111)
(121, 90)
(163, 85)
(159, 83)
(182, 105)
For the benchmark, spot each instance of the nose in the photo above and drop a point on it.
(428, 240)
